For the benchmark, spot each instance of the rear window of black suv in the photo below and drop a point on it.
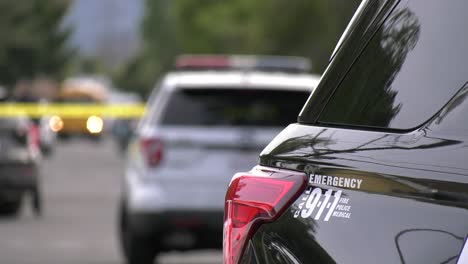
(410, 68)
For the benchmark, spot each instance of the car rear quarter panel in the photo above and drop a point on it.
(410, 205)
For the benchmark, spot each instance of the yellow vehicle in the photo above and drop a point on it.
(85, 93)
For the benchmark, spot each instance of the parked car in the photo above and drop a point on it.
(19, 174)
(375, 170)
(201, 126)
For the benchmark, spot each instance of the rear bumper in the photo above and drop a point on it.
(180, 229)
(18, 176)
(16, 179)
(153, 197)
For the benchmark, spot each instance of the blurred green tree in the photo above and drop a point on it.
(307, 28)
(158, 51)
(32, 43)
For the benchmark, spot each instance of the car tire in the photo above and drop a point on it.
(11, 208)
(136, 249)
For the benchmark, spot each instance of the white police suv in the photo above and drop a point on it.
(206, 120)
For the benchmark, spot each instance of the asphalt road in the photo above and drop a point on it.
(81, 184)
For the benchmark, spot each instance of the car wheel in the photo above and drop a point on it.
(136, 249)
(10, 208)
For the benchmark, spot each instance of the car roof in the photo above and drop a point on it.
(240, 79)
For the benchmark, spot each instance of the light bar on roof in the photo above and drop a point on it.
(243, 62)
(202, 61)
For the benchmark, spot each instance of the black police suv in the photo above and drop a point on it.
(376, 169)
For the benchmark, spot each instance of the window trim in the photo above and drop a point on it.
(422, 125)
(321, 101)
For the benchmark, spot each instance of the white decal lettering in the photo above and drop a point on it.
(359, 181)
(336, 181)
(346, 182)
(318, 179)
(338, 208)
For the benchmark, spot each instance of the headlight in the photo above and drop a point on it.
(56, 123)
(94, 124)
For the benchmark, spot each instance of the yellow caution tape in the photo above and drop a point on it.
(72, 110)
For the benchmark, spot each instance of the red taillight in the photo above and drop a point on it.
(252, 199)
(152, 151)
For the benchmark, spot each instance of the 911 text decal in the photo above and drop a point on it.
(321, 205)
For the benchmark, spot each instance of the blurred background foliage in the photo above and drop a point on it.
(308, 28)
(34, 41)
(31, 44)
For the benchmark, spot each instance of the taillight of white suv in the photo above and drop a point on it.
(152, 150)
(254, 198)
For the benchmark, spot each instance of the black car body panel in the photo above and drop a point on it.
(403, 194)
(388, 175)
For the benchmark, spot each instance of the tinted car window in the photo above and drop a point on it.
(411, 67)
(239, 107)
